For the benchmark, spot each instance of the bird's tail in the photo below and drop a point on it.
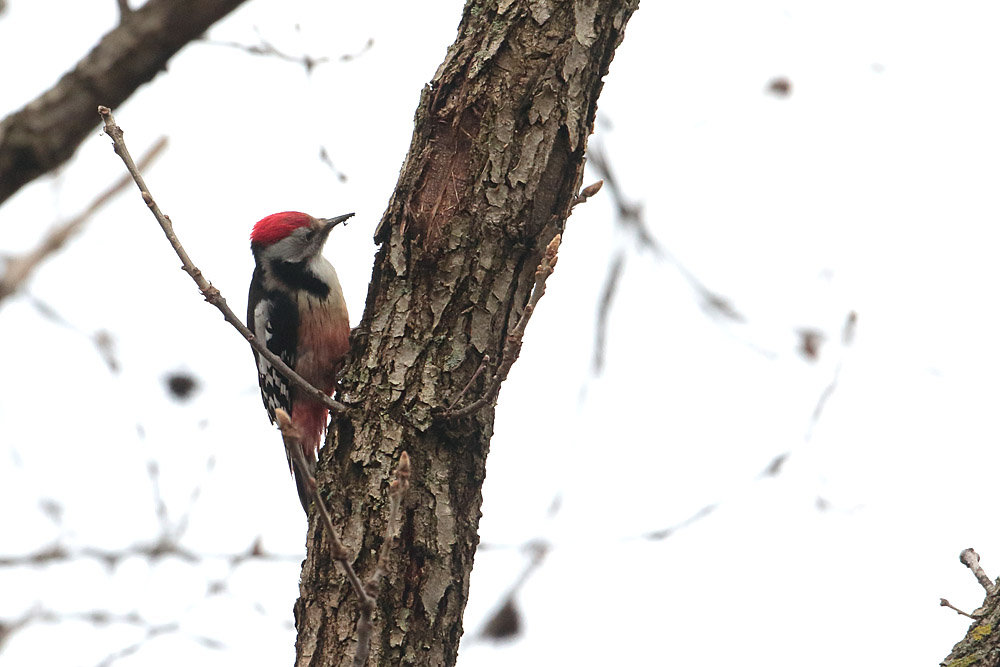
(303, 484)
(310, 421)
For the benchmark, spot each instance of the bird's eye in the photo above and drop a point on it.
(310, 234)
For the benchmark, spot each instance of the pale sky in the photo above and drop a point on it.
(870, 188)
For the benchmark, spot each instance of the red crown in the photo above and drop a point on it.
(277, 226)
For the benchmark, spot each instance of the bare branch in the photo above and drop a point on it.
(324, 157)
(266, 48)
(19, 269)
(504, 622)
(366, 47)
(608, 292)
(96, 618)
(945, 603)
(45, 132)
(211, 293)
(664, 533)
(479, 371)
(847, 337)
(630, 216)
(396, 490)
(970, 559)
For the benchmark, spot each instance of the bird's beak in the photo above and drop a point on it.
(330, 223)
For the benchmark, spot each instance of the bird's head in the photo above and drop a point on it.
(292, 236)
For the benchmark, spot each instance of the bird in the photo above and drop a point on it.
(296, 308)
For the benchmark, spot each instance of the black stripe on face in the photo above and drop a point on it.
(298, 276)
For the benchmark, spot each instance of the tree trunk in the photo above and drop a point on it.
(494, 165)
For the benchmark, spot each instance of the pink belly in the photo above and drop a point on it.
(324, 333)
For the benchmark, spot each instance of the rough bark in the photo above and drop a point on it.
(981, 645)
(46, 132)
(496, 159)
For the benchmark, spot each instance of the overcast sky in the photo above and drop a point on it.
(869, 188)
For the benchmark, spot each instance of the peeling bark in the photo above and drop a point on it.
(45, 133)
(496, 159)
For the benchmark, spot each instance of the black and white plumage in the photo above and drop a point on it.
(273, 319)
(296, 307)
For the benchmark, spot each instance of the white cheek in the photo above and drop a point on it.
(292, 248)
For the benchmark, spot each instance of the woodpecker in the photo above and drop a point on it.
(297, 309)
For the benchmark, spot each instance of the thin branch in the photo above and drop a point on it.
(608, 293)
(152, 632)
(211, 293)
(970, 559)
(102, 340)
(160, 507)
(46, 131)
(19, 269)
(512, 347)
(266, 48)
(368, 590)
(479, 371)
(630, 216)
(96, 618)
(163, 547)
(945, 603)
(348, 57)
(846, 338)
(396, 490)
(324, 157)
(664, 533)
(504, 622)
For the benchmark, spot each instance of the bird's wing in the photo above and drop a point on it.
(275, 390)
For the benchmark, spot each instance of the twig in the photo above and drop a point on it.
(367, 591)
(265, 48)
(512, 347)
(19, 269)
(152, 632)
(479, 371)
(47, 131)
(630, 216)
(396, 490)
(945, 603)
(96, 618)
(970, 559)
(324, 157)
(608, 293)
(504, 622)
(664, 533)
(210, 292)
